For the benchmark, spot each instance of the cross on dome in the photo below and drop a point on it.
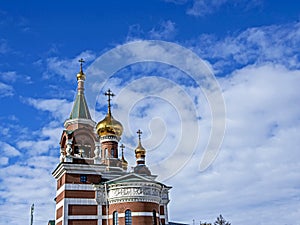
(139, 132)
(109, 95)
(81, 62)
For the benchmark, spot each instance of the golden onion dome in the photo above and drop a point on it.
(140, 150)
(80, 75)
(109, 126)
(124, 162)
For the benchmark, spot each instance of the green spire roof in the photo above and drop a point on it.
(80, 108)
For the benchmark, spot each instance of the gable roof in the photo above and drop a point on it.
(131, 177)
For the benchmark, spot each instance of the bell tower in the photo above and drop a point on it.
(109, 130)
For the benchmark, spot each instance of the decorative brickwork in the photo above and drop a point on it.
(82, 209)
(82, 222)
(59, 212)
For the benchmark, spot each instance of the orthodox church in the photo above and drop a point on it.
(94, 184)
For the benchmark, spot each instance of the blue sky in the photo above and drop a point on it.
(251, 48)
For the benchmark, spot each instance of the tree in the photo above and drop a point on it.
(221, 221)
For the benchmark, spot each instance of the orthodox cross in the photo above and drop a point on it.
(109, 94)
(122, 147)
(139, 132)
(81, 62)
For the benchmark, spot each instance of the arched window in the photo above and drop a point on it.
(112, 153)
(128, 220)
(154, 218)
(115, 218)
(105, 153)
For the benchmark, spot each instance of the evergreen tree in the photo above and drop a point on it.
(221, 221)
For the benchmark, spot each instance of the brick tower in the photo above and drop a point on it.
(94, 186)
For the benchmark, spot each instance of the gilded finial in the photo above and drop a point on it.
(109, 95)
(81, 75)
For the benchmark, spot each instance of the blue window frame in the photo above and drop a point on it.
(115, 218)
(83, 178)
(128, 219)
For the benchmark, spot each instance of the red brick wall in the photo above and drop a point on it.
(82, 209)
(82, 222)
(79, 194)
(59, 212)
(75, 179)
(134, 207)
(60, 197)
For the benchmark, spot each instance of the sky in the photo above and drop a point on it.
(213, 85)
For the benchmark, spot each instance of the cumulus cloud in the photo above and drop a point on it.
(66, 68)
(276, 44)
(255, 175)
(6, 90)
(9, 76)
(164, 31)
(59, 108)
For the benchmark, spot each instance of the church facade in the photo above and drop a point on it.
(94, 184)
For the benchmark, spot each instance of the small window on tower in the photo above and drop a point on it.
(83, 178)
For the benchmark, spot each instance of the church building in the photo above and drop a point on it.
(94, 184)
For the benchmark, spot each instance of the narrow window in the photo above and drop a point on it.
(128, 220)
(115, 218)
(105, 153)
(112, 153)
(154, 218)
(83, 178)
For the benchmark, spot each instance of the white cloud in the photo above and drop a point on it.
(8, 150)
(255, 178)
(166, 30)
(59, 108)
(276, 44)
(9, 76)
(6, 90)
(67, 68)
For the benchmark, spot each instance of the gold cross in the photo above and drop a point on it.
(139, 132)
(109, 94)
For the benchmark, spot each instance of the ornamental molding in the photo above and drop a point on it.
(129, 192)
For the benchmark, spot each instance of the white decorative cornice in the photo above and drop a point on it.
(79, 121)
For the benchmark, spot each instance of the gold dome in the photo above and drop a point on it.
(140, 150)
(109, 126)
(80, 75)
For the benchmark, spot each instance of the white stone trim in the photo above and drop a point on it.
(75, 187)
(110, 216)
(80, 201)
(58, 220)
(80, 217)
